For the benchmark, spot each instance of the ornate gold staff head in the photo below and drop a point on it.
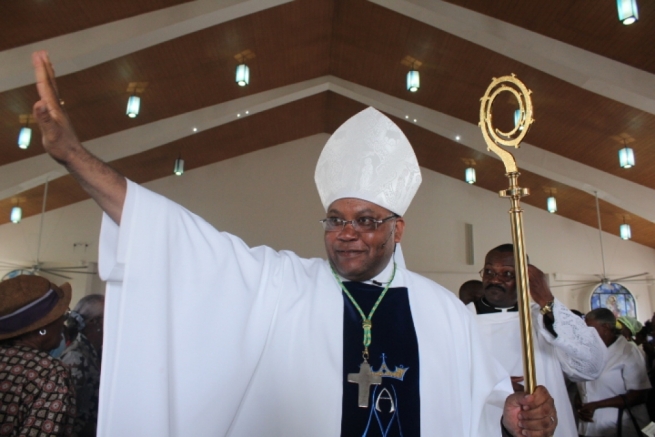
(495, 137)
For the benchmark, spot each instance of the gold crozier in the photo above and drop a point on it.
(494, 139)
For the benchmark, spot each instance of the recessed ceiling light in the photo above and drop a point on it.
(238, 115)
(407, 116)
(457, 138)
(414, 120)
(247, 112)
(195, 129)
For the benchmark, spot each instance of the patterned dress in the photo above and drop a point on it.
(84, 363)
(37, 397)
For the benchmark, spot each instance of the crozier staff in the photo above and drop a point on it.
(299, 347)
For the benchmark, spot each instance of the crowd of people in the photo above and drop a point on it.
(49, 359)
(598, 368)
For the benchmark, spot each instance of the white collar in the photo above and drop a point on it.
(504, 310)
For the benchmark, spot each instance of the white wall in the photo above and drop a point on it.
(268, 197)
(435, 246)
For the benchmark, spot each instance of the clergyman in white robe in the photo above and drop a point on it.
(577, 351)
(205, 336)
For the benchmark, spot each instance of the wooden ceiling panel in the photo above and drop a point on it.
(324, 113)
(290, 43)
(570, 121)
(285, 123)
(360, 42)
(589, 24)
(30, 21)
(447, 157)
(339, 110)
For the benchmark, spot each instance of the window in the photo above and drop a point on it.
(616, 298)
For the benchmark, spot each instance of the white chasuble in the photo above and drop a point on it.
(205, 336)
(577, 351)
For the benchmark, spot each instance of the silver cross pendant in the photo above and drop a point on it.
(365, 378)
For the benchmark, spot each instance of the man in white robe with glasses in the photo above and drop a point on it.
(563, 343)
(205, 336)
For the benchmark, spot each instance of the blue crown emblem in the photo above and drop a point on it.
(385, 372)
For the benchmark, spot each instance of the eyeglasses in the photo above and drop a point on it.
(505, 276)
(362, 224)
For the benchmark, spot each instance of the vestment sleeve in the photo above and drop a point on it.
(187, 313)
(580, 350)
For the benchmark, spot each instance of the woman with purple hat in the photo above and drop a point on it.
(37, 397)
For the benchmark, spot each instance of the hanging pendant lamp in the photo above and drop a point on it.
(16, 214)
(242, 75)
(133, 105)
(469, 175)
(24, 137)
(551, 205)
(413, 80)
(178, 169)
(628, 12)
(626, 157)
(625, 231)
(517, 118)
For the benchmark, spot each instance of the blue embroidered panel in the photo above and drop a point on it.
(394, 406)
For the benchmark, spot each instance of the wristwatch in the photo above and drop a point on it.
(548, 308)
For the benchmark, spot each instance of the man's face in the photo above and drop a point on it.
(606, 334)
(596, 325)
(360, 256)
(498, 279)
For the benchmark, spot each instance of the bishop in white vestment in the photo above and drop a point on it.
(205, 336)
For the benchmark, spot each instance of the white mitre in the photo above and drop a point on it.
(368, 158)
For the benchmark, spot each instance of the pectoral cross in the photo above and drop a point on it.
(365, 378)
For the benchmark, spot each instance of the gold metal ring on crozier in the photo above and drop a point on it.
(495, 137)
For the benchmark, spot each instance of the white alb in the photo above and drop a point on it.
(205, 336)
(577, 351)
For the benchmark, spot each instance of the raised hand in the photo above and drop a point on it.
(539, 289)
(107, 187)
(58, 136)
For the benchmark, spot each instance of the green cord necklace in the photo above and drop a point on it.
(365, 378)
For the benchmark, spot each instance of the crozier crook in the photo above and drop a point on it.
(495, 139)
